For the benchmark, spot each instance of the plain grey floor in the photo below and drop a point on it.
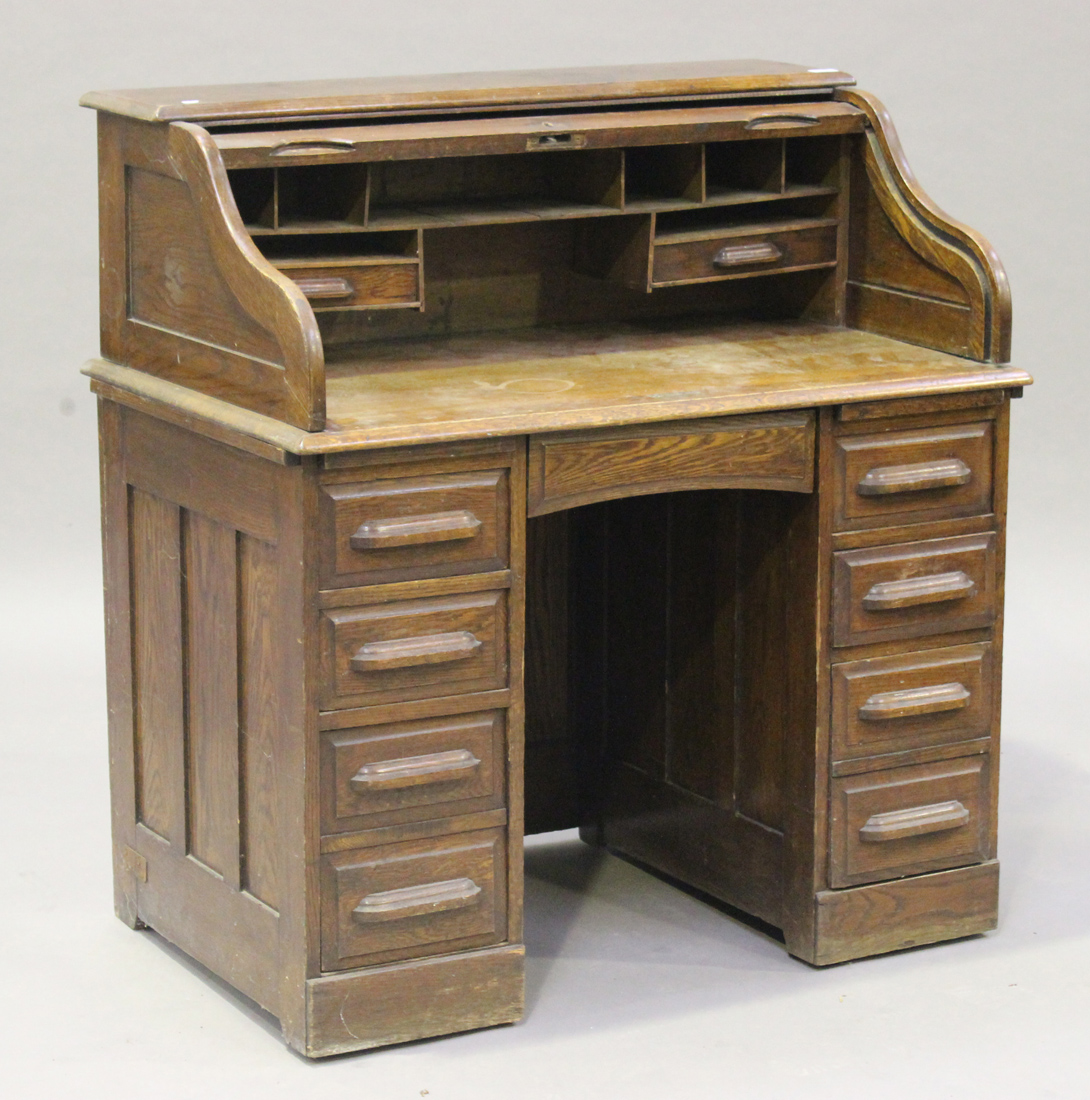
(635, 989)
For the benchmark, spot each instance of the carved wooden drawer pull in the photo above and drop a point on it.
(894, 595)
(899, 824)
(380, 534)
(914, 477)
(933, 699)
(430, 649)
(780, 122)
(307, 148)
(417, 901)
(322, 287)
(411, 771)
(763, 252)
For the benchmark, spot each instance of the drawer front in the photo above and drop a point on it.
(732, 254)
(765, 451)
(357, 286)
(413, 899)
(912, 476)
(914, 589)
(412, 771)
(408, 528)
(891, 704)
(905, 821)
(414, 649)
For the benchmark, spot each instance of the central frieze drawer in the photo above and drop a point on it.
(886, 593)
(414, 649)
(765, 451)
(413, 899)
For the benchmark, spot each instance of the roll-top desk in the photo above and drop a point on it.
(500, 453)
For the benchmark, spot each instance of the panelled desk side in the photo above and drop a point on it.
(725, 593)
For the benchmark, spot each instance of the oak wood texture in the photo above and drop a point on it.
(411, 770)
(511, 384)
(758, 249)
(914, 589)
(185, 293)
(402, 528)
(902, 821)
(892, 478)
(626, 451)
(413, 899)
(454, 90)
(888, 705)
(890, 916)
(408, 649)
(773, 451)
(397, 1003)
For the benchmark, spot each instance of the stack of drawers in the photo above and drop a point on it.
(414, 604)
(914, 609)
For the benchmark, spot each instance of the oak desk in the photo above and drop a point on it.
(498, 453)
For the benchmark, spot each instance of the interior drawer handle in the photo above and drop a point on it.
(780, 122)
(914, 478)
(325, 287)
(938, 588)
(304, 148)
(933, 699)
(429, 649)
(380, 534)
(411, 771)
(899, 824)
(417, 901)
(733, 255)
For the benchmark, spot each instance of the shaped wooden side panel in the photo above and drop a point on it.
(205, 652)
(914, 273)
(185, 294)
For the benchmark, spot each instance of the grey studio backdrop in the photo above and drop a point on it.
(634, 989)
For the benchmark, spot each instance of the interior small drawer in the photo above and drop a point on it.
(689, 257)
(412, 771)
(912, 476)
(413, 899)
(407, 528)
(913, 700)
(914, 589)
(905, 821)
(414, 649)
(359, 285)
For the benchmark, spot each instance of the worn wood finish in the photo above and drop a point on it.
(375, 903)
(415, 1000)
(911, 476)
(891, 916)
(521, 463)
(452, 90)
(192, 299)
(903, 821)
(773, 451)
(892, 704)
(209, 754)
(919, 588)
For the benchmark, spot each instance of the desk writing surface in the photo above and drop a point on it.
(561, 378)
(489, 384)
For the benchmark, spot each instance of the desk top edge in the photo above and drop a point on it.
(532, 87)
(263, 435)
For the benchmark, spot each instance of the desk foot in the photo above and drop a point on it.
(890, 916)
(384, 1005)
